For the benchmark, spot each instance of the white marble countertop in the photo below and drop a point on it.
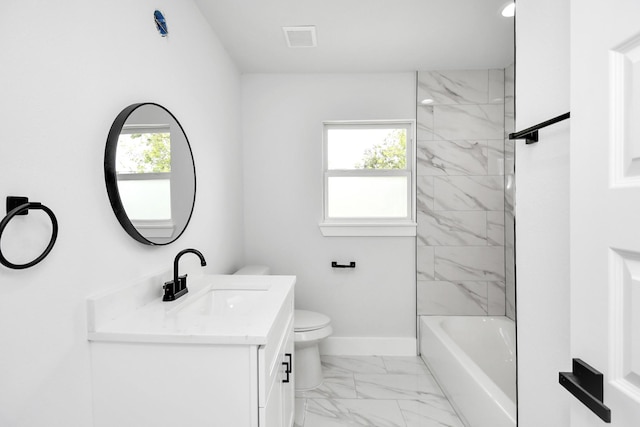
(218, 309)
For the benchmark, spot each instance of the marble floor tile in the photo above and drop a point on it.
(333, 365)
(396, 386)
(334, 386)
(393, 391)
(412, 365)
(353, 412)
(436, 412)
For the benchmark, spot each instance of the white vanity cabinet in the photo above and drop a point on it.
(177, 376)
(276, 392)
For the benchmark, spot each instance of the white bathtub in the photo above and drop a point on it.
(473, 359)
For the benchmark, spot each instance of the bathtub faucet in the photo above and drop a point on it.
(178, 286)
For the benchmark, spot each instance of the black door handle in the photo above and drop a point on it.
(586, 384)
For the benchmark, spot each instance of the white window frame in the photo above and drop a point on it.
(371, 226)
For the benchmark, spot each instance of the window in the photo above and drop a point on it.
(368, 178)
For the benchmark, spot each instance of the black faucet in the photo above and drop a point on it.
(178, 286)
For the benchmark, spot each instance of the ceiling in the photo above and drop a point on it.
(363, 35)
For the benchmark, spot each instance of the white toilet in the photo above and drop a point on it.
(309, 328)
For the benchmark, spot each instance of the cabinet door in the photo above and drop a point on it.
(271, 413)
(278, 381)
(288, 384)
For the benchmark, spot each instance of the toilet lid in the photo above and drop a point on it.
(304, 320)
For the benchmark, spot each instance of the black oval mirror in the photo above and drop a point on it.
(150, 174)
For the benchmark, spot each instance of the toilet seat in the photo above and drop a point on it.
(305, 321)
(314, 335)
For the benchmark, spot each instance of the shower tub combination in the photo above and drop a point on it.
(473, 359)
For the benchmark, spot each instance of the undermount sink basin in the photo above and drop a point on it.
(224, 302)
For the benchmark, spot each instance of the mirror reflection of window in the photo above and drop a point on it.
(144, 150)
(143, 167)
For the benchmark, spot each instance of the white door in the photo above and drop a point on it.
(605, 202)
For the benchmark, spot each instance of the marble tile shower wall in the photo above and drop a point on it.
(460, 193)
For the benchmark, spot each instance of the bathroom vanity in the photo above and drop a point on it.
(222, 355)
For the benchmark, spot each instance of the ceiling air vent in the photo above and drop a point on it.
(300, 36)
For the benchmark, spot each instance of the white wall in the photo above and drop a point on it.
(68, 68)
(542, 212)
(282, 134)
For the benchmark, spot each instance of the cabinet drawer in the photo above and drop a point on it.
(270, 355)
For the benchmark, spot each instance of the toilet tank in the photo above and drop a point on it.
(257, 270)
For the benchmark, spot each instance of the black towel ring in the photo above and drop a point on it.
(17, 211)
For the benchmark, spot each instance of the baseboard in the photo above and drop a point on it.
(368, 346)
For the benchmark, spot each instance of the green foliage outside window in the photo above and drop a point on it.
(153, 154)
(390, 154)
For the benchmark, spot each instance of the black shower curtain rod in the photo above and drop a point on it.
(531, 134)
